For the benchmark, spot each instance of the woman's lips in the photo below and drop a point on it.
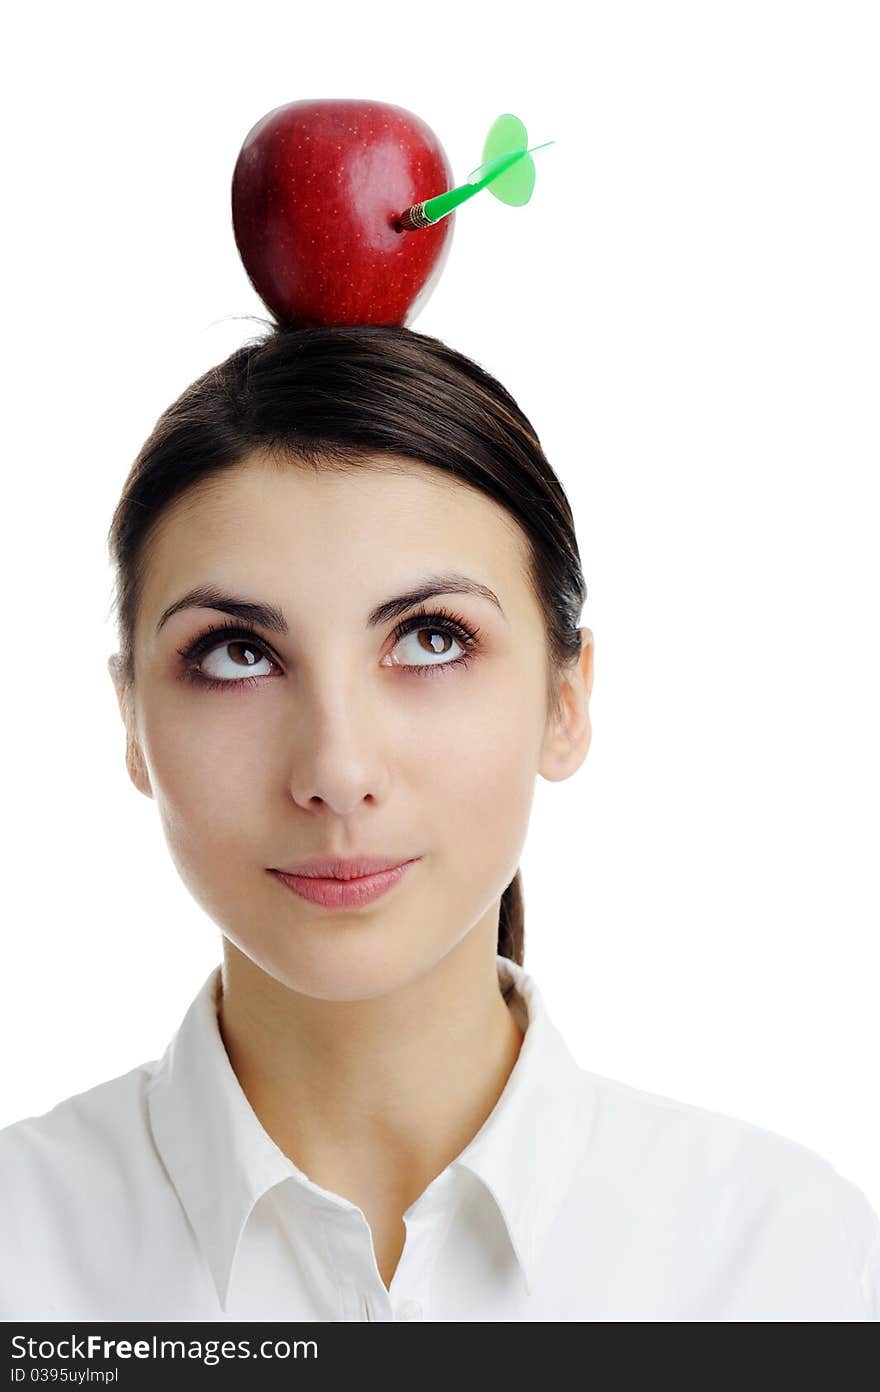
(343, 894)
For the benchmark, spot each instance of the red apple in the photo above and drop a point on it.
(317, 188)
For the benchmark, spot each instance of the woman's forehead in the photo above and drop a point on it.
(298, 489)
(368, 528)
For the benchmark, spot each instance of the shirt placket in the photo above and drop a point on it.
(363, 1295)
(358, 1284)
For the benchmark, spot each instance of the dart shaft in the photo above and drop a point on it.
(431, 210)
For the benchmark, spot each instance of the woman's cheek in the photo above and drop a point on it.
(202, 753)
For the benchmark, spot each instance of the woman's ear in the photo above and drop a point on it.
(134, 758)
(568, 734)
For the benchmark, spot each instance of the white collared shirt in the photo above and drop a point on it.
(159, 1196)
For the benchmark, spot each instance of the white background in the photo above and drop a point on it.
(688, 312)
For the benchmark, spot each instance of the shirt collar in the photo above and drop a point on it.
(529, 1148)
(221, 1160)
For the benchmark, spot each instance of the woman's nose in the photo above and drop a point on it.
(337, 759)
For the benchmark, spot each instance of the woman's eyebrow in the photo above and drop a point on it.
(270, 617)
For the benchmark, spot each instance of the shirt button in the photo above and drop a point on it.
(408, 1310)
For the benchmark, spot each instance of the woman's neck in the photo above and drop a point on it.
(374, 1097)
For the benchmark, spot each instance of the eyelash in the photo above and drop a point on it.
(440, 620)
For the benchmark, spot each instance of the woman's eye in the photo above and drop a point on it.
(426, 644)
(246, 659)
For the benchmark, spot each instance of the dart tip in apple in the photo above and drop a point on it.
(413, 219)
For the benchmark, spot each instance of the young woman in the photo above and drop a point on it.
(349, 595)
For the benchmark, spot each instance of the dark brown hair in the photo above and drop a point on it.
(330, 398)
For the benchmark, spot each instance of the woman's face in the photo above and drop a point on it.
(327, 740)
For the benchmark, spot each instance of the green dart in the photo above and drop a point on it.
(507, 170)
